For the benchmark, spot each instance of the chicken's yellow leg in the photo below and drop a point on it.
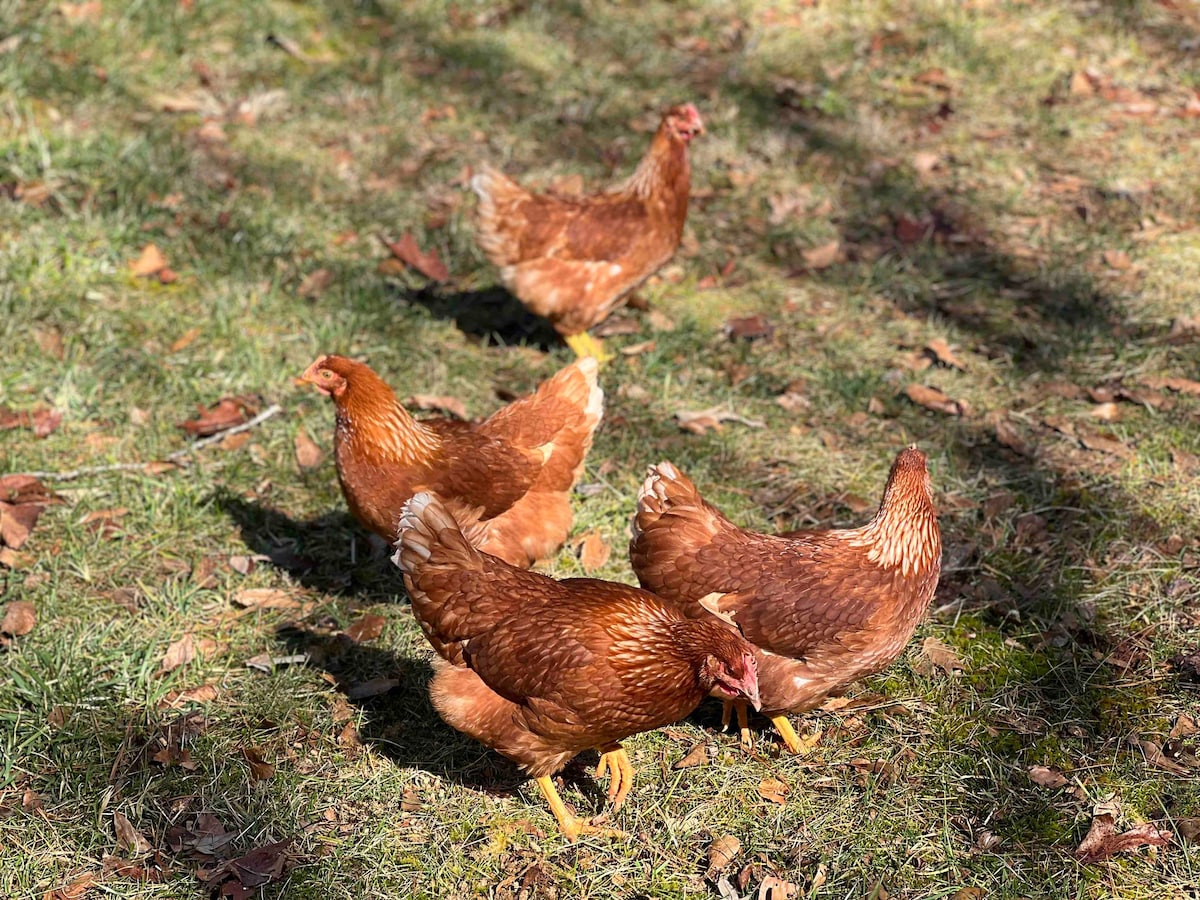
(791, 739)
(743, 718)
(585, 345)
(572, 826)
(615, 761)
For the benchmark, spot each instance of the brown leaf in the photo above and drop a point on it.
(78, 13)
(910, 230)
(1117, 259)
(1155, 757)
(1103, 444)
(567, 185)
(79, 886)
(749, 328)
(969, 893)
(824, 256)
(129, 838)
(775, 888)
(1081, 84)
(265, 598)
(11, 559)
(697, 756)
(410, 799)
(222, 415)
(17, 522)
(260, 769)
(1177, 384)
(372, 688)
(308, 454)
(366, 628)
(933, 399)
(185, 340)
(925, 161)
(315, 283)
(639, 348)
(407, 251)
(941, 353)
(1009, 436)
(449, 405)
(1106, 412)
(721, 852)
(1048, 777)
(773, 789)
(50, 341)
(258, 867)
(180, 652)
(1103, 841)
(700, 421)
(1184, 330)
(150, 262)
(594, 552)
(941, 656)
(19, 618)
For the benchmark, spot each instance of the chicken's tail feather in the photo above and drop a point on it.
(668, 493)
(498, 195)
(428, 535)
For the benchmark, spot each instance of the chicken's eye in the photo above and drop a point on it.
(326, 374)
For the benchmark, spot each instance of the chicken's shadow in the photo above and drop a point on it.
(492, 315)
(330, 553)
(402, 725)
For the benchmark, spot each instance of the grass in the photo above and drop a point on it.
(1062, 592)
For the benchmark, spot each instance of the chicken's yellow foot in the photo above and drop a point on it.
(743, 718)
(585, 345)
(615, 761)
(572, 826)
(793, 741)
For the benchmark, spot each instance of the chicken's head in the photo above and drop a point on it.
(731, 674)
(683, 122)
(324, 374)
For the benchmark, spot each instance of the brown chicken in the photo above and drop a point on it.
(823, 608)
(541, 670)
(573, 260)
(507, 479)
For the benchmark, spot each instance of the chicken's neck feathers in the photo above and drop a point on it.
(385, 431)
(903, 535)
(665, 166)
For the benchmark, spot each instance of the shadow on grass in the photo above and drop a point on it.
(492, 315)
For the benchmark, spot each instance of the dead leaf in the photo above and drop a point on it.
(314, 283)
(407, 251)
(308, 454)
(1184, 330)
(933, 399)
(1106, 412)
(1177, 384)
(449, 405)
(701, 421)
(941, 353)
(721, 852)
(925, 161)
(1117, 259)
(774, 790)
(185, 340)
(775, 888)
(594, 552)
(372, 688)
(941, 656)
(51, 342)
(366, 628)
(410, 799)
(11, 559)
(260, 769)
(78, 13)
(19, 618)
(749, 328)
(1009, 436)
(129, 838)
(150, 262)
(639, 348)
(17, 522)
(969, 893)
(180, 652)
(1155, 757)
(566, 185)
(1048, 777)
(205, 693)
(221, 416)
(824, 256)
(1103, 842)
(258, 867)
(79, 887)
(265, 598)
(697, 756)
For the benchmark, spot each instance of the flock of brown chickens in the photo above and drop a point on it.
(541, 669)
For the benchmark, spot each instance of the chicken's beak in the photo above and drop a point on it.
(752, 693)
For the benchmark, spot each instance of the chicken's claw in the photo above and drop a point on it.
(745, 738)
(794, 742)
(585, 345)
(615, 761)
(571, 825)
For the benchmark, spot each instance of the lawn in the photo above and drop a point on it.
(994, 200)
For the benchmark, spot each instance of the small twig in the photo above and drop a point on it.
(173, 456)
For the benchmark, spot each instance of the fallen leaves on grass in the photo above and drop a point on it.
(594, 552)
(79, 886)
(205, 693)
(308, 454)
(775, 888)
(749, 328)
(774, 790)
(366, 628)
(939, 351)
(1117, 259)
(937, 654)
(129, 838)
(80, 13)
(22, 499)
(721, 852)
(441, 403)
(265, 598)
(1103, 841)
(20, 617)
(697, 756)
(372, 688)
(1087, 438)
(314, 284)
(1174, 383)
(240, 878)
(823, 256)
(1048, 777)
(151, 263)
(180, 652)
(1155, 757)
(42, 420)
(936, 400)
(701, 421)
(407, 251)
(260, 769)
(226, 413)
